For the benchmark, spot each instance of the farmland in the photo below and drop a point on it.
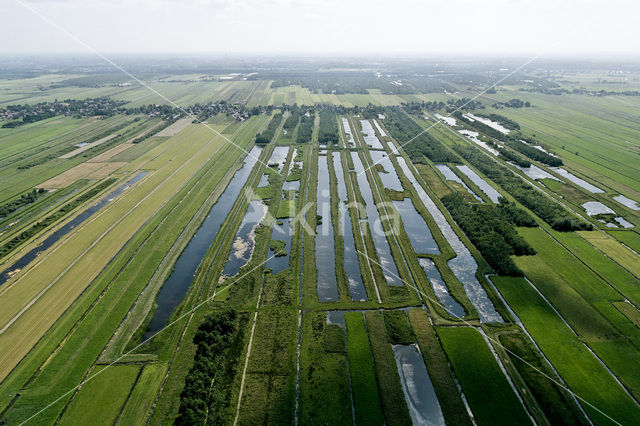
(321, 247)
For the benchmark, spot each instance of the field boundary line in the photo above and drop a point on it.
(101, 236)
(144, 342)
(112, 63)
(560, 384)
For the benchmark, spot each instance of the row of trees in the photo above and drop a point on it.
(491, 229)
(547, 209)
(206, 394)
(514, 140)
(534, 153)
(328, 132)
(305, 131)
(25, 199)
(514, 158)
(417, 143)
(513, 103)
(266, 136)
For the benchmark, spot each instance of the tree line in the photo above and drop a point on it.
(206, 393)
(547, 209)
(266, 136)
(490, 227)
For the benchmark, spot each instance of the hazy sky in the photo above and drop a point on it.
(323, 26)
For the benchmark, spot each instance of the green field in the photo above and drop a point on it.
(491, 398)
(74, 318)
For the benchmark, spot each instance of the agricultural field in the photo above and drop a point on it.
(328, 246)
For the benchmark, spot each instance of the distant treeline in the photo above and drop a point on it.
(490, 228)
(513, 103)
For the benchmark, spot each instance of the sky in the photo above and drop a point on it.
(585, 27)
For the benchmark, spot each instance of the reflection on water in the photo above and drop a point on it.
(416, 228)
(278, 157)
(450, 175)
(351, 264)
(389, 177)
(176, 286)
(280, 232)
(419, 393)
(389, 269)
(327, 284)
(481, 183)
(244, 242)
(463, 266)
(575, 179)
(370, 137)
(440, 289)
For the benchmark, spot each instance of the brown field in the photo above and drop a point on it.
(87, 170)
(105, 156)
(176, 127)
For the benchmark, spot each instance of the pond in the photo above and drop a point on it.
(347, 130)
(535, 172)
(575, 179)
(473, 137)
(244, 242)
(418, 390)
(389, 177)
(379, 128)
(450, 175)
(449, 120)
(326, 284)
(440, 289)
(489, 190)
(628, 202)
(351, 263)
(623, 222)
(370, 137)
(463, 266)
(278, 157)
(416, 227)
(281, 231)
(596, 207)
(496, 126)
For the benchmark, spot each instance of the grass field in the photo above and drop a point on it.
(616, 251)
(629, 238)
(363, 380)
(86, 301)
(393, 404)
(141, 398)
(324, 373)
(491, 398)
(577, 366)
(100, 400)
